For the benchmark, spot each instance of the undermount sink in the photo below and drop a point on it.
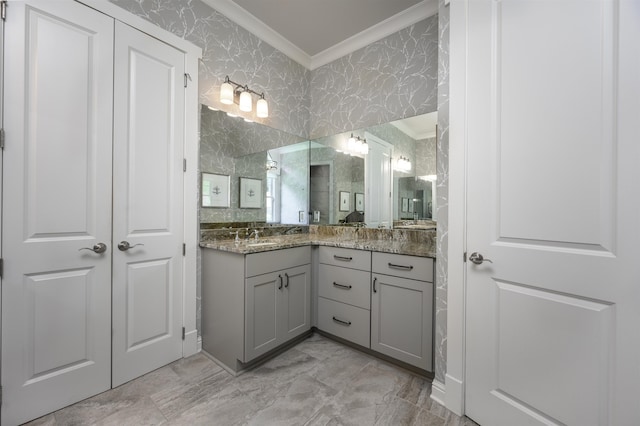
(265, 243)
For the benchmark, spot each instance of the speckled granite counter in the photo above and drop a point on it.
(408, 242)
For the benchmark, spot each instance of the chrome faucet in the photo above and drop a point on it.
(237, 239)
(255, 233)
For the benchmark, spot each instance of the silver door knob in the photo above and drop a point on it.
(98, 248)
(124, 245)
(477, 258)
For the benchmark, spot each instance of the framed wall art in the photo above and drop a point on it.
(250, 193)
(214, 190)
(359, 198)
(344, 201)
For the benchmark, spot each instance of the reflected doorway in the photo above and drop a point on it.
(320, 193)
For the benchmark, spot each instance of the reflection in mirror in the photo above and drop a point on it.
(335, 168)
(332, 171)
(232, 147)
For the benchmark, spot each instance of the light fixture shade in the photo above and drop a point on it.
(226, 93)
(364, 149)
(246, 102)
(262, 108)
(351, 143)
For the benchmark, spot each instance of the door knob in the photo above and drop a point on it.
(98, 248)
(124, 245)
(477, 258)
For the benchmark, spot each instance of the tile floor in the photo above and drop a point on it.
(317, 382)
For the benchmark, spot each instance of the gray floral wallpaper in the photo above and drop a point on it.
(390, 79)
(442, 195)
(231, 50)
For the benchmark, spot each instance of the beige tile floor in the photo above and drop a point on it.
(317, 382)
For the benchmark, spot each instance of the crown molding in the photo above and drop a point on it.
(240, 16)
(393, 24)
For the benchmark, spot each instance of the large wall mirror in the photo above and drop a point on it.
(327, 181)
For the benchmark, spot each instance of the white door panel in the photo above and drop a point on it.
(148, 207)
(548, 202)
(378, 187)
(56, 299)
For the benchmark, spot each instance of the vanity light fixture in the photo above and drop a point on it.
(232, 92)
(403, 164)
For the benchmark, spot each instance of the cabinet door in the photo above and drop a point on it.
(261, 308)
(295, 310)
(401, 319)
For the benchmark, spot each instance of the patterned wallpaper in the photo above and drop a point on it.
(442, 195)
(231, 50)
(390, 79)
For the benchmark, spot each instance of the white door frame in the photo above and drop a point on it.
(454, 392)
(193, 54)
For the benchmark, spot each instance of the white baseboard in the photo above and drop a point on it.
(438, 392)
(455, 395)
(190, 343)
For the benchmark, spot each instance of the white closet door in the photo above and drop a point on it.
(56, 298)
(147, 204)
(552, 137)
(378, 187)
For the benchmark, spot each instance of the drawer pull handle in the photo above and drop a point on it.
(339, 321)
(342, 286)
(403, 267)
(280, 286)
(287, 283)
(343, 258)
(374, 284)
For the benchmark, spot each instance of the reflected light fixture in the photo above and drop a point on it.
(403, 164)
(232, 92)
(357, 145)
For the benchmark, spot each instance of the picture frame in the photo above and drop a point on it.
(250, 193)
(215, 190)
(359, 200)
(344, 205)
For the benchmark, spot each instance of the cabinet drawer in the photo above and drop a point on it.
(413, 267)
(345, 285)
(270, 261)
(348, 258)
(346, 321)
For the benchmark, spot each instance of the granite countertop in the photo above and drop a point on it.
(423, 249)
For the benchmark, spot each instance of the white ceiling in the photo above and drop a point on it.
(419, 127)
(316, 32)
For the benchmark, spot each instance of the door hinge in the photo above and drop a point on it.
(2, 139)
(184, 333)
(184, 164)
(3, 10)
(464, 257)
(184, 249)
(187, 78)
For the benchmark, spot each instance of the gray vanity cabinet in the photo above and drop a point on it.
(402, 308)
(253, 303)
(277, 309)
(344, 294)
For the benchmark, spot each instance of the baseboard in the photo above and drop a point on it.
(438, 392)
(455, 395)
(199, 343)
(190, 343)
